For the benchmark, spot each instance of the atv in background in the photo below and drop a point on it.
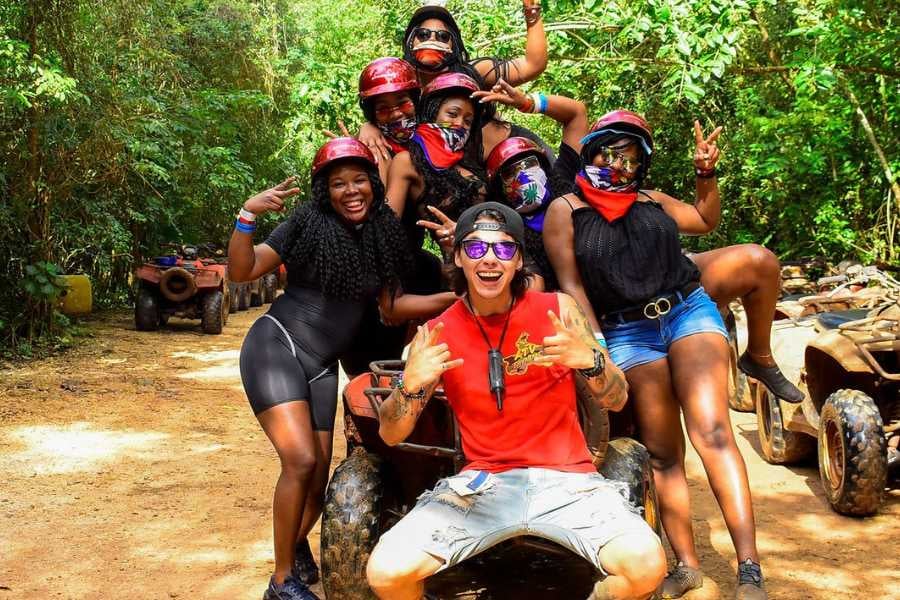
(185, 285)
(843, 352)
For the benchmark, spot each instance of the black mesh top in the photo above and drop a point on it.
(628, 262)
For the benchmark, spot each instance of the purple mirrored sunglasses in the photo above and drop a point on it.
(504, 250)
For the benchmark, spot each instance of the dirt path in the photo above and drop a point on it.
(132, 467)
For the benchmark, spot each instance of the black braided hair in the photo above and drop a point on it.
(351, 263)
(447, 189)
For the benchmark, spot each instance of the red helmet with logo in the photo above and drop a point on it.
(623, 121)
(338, 149)
(385, 75)
(510, 148)
(448, 81)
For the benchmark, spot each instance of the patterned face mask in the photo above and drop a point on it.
(455, 138)
(527, 190)
(610, 178)
(400, 130)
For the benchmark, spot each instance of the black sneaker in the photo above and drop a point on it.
(772, 378)
(680, 580)
(750, 582)
(291, 589)
(305, 568)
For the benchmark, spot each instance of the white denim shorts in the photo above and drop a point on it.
(468, 513)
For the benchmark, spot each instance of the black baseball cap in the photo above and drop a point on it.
(513, 222)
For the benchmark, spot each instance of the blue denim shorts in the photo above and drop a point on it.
(640, 342)
(579, 511)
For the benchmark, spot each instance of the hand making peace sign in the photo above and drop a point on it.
(273, 198)
(427, 359)
(503, 93)
(567, 347)
(706, 155)
(443, 230)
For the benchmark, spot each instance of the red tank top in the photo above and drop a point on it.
(539, 424)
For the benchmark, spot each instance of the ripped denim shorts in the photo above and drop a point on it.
(468, 513)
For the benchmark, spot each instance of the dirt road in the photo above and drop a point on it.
(132, 467)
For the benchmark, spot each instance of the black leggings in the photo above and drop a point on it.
(274, 370)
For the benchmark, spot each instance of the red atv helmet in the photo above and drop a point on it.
(338, 149)
(510, 149)
(623, 121)
(386, 75)
(449, 81)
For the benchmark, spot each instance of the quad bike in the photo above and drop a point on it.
(847, 362)
(377, 484)
(183, 285)
(253, 293)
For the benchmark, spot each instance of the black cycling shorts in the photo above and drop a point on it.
(274, 370)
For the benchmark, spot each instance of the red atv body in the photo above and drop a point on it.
(192, 287)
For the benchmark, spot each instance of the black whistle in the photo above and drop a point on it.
(495, 376)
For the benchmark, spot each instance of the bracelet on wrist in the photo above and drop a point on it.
(705, 173)
(532, 14)
(246, 215)
(244, 227)
(528, 105)
(540, 102)
(599, 365)
(397, 384)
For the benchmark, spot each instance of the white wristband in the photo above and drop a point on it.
(246, 214)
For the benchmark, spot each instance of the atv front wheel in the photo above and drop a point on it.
(628, 461)
(233, 300)
(256, 293)
(146, 310)
(852, 453)
(351, 525)
(213, 308)
(780, 446)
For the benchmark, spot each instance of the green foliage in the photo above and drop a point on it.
(125, 125)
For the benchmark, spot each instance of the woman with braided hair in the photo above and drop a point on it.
(341, 248)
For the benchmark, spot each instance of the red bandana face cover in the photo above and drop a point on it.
(443, 146)
(612, 205)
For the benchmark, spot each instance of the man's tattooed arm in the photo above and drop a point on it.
(610, 388)
(398, 414)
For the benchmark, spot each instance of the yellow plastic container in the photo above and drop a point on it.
(77, 299)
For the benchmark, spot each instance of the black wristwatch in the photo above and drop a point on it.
(397, 384)
(599, 365)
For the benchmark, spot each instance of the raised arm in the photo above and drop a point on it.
(559, 243)
(426, 362)
(524, 68)
(702, 216)
(246, 262)
(568, 112)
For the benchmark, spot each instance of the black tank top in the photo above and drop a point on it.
(632, 260)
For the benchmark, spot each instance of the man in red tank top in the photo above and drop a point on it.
(507, 358)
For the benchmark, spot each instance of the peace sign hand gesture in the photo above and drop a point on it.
(427, 359)
(443, 230)
(706, 155)
(273, 198)
(567, 347)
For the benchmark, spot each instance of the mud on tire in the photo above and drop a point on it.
(629, 462)
(779, 445)
(351, 525)
(740, 398)
(852, 453)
